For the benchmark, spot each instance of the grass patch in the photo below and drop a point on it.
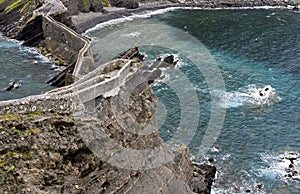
(33, 131)
(85, 3)
(34, 113)
(25, 6)
(14, 4)
(10, 117)
(2, 1)
(106, 3)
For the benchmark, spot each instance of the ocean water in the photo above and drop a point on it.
(25, 65)
(211, 101)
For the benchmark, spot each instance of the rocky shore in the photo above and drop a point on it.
(49, 146)
(85, 21)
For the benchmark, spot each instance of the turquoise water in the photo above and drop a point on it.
(25, 65)
(252, 49)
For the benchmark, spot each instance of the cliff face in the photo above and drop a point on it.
(73, 141)
(61, 143)
(14, 15)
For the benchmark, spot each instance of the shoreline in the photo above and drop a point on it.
(85, 22)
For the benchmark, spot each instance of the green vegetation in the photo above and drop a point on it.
(13, 4)
(85, 3)
(4, 161)
(26, 156)
(16, 3)
(27, 132)
(106, 3)
(10, 117)
(25, 6)
(33, 131)
(7, 158)
(33, 113)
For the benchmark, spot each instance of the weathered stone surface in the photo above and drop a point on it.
(202, 178)
(63, 143)
(13, 19)
(82, 152)
(129, 4)
(152, 71)
(76, 6)
(131, 53)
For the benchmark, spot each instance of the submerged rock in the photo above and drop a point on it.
(13, 85)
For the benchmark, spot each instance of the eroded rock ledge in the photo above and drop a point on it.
(99, 139)
(99, 134)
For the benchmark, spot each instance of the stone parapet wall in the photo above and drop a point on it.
(40, 103)
(58, 32)
(64, 100)
(71, 42)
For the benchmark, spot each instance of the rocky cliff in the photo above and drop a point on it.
(73, 141)
(62, 142)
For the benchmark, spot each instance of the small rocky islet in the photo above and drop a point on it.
(42, 146)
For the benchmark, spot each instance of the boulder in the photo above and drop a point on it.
(202, 179)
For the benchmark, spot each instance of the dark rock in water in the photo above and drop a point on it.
(153, 72)
(169, 61)
(153, 75)
(210, 159)
(17, 85)
(296, 8)
(293, 169)
(10, 86)
(13, 85)
(292, 158)
(129, 4)
(260, 186)
(203, 176)
(132, 53)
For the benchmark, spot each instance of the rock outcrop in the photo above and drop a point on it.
(15, 14)
(129, 4)
(62, 142)
(99, 134)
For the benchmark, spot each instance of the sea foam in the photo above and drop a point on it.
(250, 95)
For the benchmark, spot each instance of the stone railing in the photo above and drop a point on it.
(62, 100)
(90, 83)
(55, 30)
(63, 34)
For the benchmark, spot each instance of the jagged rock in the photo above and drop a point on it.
(129, 4)
(32, 33)
(68, 152)
(153, 72)
(76, 6)
(132, 53)
(16, 17)
(203, 175)
(296, 9)
(13, 85)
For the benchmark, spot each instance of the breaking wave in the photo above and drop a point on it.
(250, 95)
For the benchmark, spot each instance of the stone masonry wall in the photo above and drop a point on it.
(68, 45)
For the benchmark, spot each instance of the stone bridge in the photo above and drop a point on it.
(108, 112)
(90, 82)
(105, 81)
